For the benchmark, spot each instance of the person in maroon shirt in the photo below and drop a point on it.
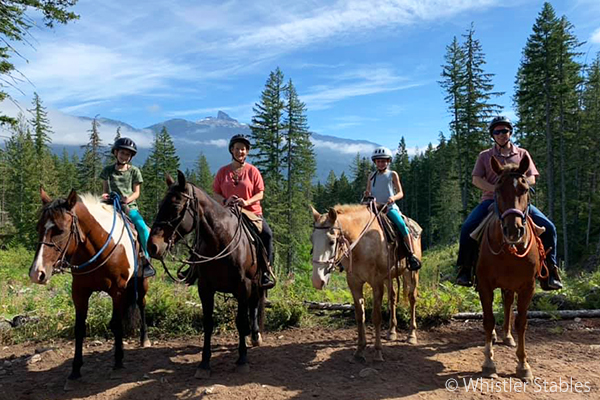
(500, 129)
(240, 183)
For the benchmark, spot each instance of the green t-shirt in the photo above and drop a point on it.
(122, 182)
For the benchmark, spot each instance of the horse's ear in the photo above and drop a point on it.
(169, 179)
(496, 167)
(332, 215)
(181, 179)
(71, 199)
(315, 213)
(524, 164)
(45, 198)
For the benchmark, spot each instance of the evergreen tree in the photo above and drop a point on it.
(162, 160)
(401, 164)
(46, 174)
(361, 169)
(202, 176)
(22, 186)
(90, 166)
(300, 166)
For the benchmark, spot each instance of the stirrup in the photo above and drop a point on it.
(414, 264)
(265, 281)
(464, 277)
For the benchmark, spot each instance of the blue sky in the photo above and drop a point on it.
(365, 69)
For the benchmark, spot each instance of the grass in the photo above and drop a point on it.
(175, 310)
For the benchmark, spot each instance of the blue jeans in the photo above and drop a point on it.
(467, 246)
(141, 228)
(396, 217)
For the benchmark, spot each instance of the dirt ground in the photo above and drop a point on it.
(316, 364)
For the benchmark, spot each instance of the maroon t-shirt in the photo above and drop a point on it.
(483, 168)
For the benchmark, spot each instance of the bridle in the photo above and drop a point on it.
(75, 231)
(342, 247)
(524, 215)
(191, 205)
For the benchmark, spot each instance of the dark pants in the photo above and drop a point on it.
(267, 238)
(468, 247)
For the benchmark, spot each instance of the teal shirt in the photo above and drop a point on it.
(122, 182)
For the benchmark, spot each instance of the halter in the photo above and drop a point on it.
(345, 248)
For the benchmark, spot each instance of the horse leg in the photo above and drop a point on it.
(254, 309)
(508, 297)
(243, 327)
(207, 298)
(141, 302)
(523, 300)
(116, 326)
(392, 335)
(356, 287)
(377, 300)
(486, 295)
(410, 283)
(81, 299)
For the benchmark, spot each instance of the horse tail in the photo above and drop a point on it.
(131, 313)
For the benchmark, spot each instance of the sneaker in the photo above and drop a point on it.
(414, 264)
(553, 281)
(147, 268)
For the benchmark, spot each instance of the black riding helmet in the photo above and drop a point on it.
(239, 139)
(501, 119)
(125, 144)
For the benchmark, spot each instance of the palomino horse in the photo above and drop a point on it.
(510, 258)
(75, 232)
(224, 260)
(339, 229)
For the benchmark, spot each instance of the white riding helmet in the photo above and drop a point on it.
(381, 153)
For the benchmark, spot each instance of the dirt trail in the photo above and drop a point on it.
(315, 364)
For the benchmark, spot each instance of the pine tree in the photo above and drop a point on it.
(202, 176)
(22, 186)
(45, 175)
(401, 164)
(300, 166)
(162, 160)
(90, 166)
(361, 169)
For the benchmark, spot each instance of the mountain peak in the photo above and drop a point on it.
(223, 116)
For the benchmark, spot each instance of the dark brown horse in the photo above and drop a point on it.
(72, 232)
(224, 260)
(510, 258)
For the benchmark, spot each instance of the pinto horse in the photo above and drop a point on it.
(334, 233)
(510, 257)
(224, 260)
(74, 232)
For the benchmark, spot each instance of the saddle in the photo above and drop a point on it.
(392, 234)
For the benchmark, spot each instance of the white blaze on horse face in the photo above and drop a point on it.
(37, 268)
(323, 252)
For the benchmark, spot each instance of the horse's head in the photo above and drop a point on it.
(325, 240)
(59, 235)
(175, 217)
(512, 198)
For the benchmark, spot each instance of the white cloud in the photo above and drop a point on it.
(362, 148)
(595, 38)
(222, 143)
(69, 130)
(360, 82)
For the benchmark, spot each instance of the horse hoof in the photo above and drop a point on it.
(525, 374)
(258, 341)
(510, 342)
(146, 343)
(242, 368)
(117, 374)
(489, 372)
(360, 358)
(412, 339)
(392, 336)
(72, 384)
(202, 373)
(378, 357)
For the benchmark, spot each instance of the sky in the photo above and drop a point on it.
(365, 69)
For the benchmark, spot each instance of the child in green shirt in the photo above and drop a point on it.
(125, 179)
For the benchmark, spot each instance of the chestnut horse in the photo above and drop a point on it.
(338, 230)
(224, 260)
(510, 258)
(74, 232)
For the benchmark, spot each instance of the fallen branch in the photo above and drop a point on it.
(562, 314)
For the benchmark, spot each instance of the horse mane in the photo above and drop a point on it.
(510, 167)
(58, 206)
(95, 204)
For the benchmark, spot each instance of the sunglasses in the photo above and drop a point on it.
(500, 131)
